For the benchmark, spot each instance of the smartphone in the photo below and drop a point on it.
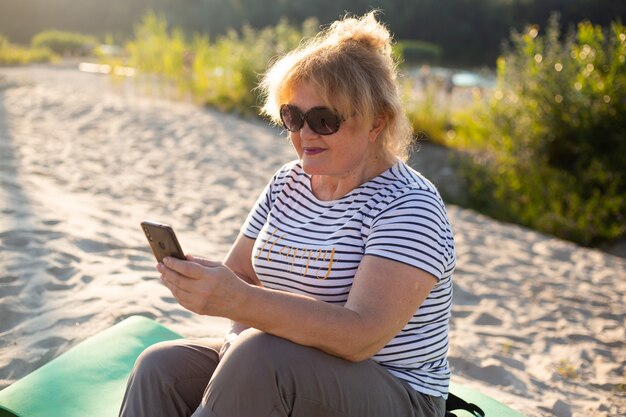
(162, 240)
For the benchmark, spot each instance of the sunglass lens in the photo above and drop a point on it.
(323, 121)
(292, 117)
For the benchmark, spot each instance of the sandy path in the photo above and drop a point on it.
(537, 321)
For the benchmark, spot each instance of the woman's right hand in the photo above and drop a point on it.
(203, 286)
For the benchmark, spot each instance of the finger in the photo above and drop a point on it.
(188, 269)
(178, 284)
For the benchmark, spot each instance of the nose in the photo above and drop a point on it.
(306, 132)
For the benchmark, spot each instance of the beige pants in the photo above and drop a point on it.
(265, 376)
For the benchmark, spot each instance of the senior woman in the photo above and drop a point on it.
(339, 284)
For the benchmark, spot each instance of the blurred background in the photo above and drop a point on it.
(464, 32)
(523, 101)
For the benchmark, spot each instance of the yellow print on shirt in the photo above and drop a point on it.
(309, 258)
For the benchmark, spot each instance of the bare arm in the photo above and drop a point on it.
(384, 296)
(239, 261)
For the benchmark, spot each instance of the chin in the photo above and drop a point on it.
(313, 167)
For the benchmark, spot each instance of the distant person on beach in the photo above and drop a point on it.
(339, 284)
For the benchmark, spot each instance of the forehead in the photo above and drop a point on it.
(311, 85)
(308, 93)
(305, 96)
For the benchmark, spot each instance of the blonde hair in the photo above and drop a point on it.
(351, 66)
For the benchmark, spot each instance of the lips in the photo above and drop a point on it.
(313, 151)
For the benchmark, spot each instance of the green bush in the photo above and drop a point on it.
(549, 147)
(15, 55)
(65, 43)
(414, 52)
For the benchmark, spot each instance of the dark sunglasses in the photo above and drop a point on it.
(321, 120)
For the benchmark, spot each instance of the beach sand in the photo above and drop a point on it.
(538, 323)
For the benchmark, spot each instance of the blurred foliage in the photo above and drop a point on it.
(223, 72)
(65, 43)
(429, 116)
(549, 147)
(417, 52)
(16, 55)
(469, 32)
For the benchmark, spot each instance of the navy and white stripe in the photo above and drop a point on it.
(313, 247)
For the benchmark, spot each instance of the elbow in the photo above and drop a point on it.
(358, 354)
(363, 339)
(356, 357)
(360, 346)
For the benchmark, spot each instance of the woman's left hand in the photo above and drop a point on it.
(203, 286)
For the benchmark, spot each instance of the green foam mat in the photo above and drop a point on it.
(489, 405)
(87, 380)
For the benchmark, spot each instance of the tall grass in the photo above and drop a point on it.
(11, 54)
(222, 72)
(550, 145)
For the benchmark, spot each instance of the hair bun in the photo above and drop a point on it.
(365, 30)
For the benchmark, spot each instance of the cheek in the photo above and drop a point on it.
(354, 142)
(296, 143)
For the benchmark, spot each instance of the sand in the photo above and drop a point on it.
(538, 323)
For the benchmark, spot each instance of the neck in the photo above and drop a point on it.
(333, 187)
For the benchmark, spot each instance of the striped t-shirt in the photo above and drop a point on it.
(313, 247)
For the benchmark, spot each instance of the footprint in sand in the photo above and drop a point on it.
(8, 279)
(15, 239)
(62, 273)
(486, 319)
(94, 246)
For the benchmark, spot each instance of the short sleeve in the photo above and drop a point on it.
(414, 229)
(258, 214)
(260, 211)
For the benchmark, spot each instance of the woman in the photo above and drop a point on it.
(341, 275)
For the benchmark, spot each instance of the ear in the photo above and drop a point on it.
(379, 124)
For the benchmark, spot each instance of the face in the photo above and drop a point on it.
(347, 152)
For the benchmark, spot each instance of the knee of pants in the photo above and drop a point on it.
(253, 360)
(257, 356)
(256, 347)
(158, 360)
